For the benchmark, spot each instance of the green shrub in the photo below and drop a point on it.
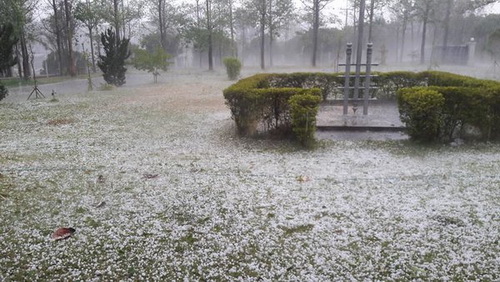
(263, 102)
(3, 92)
(420, 109)
(106, 87)
(390, 82)
(233, 67)
(304, 109)
(494, 95)
(243, 101)
(329, 83)
(256, 107)
(465, 106)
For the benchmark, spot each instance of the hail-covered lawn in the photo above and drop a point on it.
(159, 187)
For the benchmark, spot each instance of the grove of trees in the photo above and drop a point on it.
(263, 33)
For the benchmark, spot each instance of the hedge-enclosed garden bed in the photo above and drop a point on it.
(435, 106)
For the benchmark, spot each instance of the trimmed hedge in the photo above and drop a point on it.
(420, 109)
(256, 107)
(261, 103)
(463, 108)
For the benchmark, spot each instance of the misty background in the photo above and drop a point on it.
(62, 37)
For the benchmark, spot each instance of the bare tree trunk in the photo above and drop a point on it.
(234, 49)
(161, 18)
(262, 34)
(91, 34)
(315, 31)
(446, 29)
(424, 33)
(124, 26)
(19, 65)
(71, 59)
(25, 55)
(370, 27)
(403, 35)
(210, 43)
(58, 37)
(271, 31)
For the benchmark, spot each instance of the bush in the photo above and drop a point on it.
(233, 67)
(3, 92)
(465, 106)
(420, 109)
(263, 102)
(244, 103)
(257, 107)
(304, 109)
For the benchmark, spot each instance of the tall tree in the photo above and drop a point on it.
(209, 33)
(280, 15)
(89, 13)
(424, 9)
(20, 14)
(112, 63)
(403, 10)
(315, 7)
(69, 33)
(57, 30)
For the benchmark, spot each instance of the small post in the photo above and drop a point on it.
(366, 97)
(347, 85)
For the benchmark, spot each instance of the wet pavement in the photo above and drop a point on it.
(382, 122)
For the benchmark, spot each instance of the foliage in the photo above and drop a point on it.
(7, 42)
(3, 91)
(152, 41)
(112, 63)
(464, 102)
(256, 106)
(328, 83)
(420, 110)
(151, 62)
(51, 64)
(304, 109)
(233, 67)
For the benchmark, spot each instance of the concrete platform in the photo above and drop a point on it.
(382, 115)
(381, 123)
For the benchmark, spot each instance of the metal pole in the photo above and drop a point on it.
(347, 77)
(359, 48)
(367, 78)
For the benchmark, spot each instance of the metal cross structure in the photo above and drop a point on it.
(358, 76)
(357, 79)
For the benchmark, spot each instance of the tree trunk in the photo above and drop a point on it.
(234, 49)
(446, 29)
(403, 35)
(116, 19)
(315, 31)
(58, 38)
(161, 17)
(91, 34)
(424, 33)
(262, 40)
(18, 57)
(71, 59)
(370, 27)
(210, 43)
(124, 26)
(25, 55)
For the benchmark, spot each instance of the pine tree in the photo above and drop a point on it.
(112, 63)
